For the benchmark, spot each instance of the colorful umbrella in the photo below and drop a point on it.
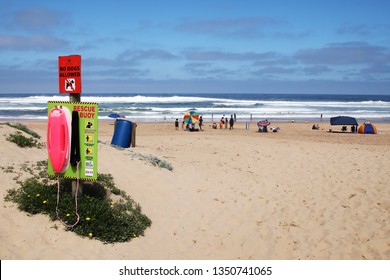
(263, 123)
(191, 117)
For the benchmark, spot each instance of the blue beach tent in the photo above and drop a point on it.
(343, 120)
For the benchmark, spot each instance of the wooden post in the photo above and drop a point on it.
(76, 98)
(133, 129)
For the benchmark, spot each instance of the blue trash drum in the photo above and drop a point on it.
(122, 133)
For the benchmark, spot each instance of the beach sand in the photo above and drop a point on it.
(232, 194)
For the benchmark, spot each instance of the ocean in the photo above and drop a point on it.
(247, 107)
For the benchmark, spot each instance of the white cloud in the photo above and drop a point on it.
(345, 54)
(38, 42)
(38, 19)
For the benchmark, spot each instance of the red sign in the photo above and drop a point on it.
(69, 74)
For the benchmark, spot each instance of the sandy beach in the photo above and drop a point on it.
(232, 194)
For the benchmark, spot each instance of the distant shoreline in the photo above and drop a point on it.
(155, 108)
(311, 121)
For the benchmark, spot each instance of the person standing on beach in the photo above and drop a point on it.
(200, 122)
(231, 122)
(177, 124)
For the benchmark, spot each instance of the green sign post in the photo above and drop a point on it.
(87, 117)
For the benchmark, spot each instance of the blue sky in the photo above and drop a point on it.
(213, 46)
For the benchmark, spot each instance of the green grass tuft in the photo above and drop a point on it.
(25, 129)
(153, 160)
(22, 141)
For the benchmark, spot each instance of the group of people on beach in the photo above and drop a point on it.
(189, 127)
(224, 122)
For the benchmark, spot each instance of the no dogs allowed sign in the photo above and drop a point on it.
(69, 73)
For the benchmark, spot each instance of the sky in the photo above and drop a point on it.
(213, 46)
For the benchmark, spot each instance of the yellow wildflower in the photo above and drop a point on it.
(90, 234)
(45, 201)
(87, 218)
(68, 215)
(38, 194)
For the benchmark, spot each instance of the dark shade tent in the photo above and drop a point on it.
(343, 120)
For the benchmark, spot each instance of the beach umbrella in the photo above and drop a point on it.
(191, 117)
(115, 116)
(263, 123)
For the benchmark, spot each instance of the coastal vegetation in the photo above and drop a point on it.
(103, 211)
(110, 220)
(21, 140)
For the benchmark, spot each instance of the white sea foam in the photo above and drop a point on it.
(212, 107)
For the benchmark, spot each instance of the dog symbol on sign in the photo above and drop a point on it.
(70, 84)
